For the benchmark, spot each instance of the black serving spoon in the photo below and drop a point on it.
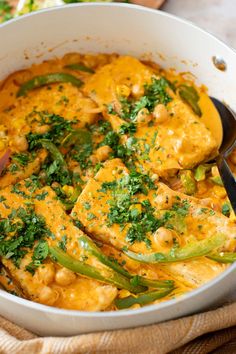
(228, 120)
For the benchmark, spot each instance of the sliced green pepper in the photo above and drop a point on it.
(191, 250)
(104, 275)
(70, 202)
(47, 79)
(77, 136)
(223, 257)
(80, 67)
(142, 299)
(200, 172)
(56, 155)
(188, 182)
(191, 97)
(217, 180)
(87, 244)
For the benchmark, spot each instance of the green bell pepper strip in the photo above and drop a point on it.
(142, 299)
(56, 155)
(188, 182)
(223, 257)
(200, 172)
(87, 244)
(77, 136)
(191, 97)
(80, 67)
(104, 275)
(191, 250)
(217, 180)
(47, 79)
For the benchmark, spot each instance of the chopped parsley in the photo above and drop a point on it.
(226, 209)
(81, 154)
(62, 244)
(181, 208)
(111, 139)
(91, 216)
(87, 206)
(25, 227)
(41, 196)
(13, 168)
(139, 217)
(128, 128)
(22, 158)
(40, 253)
(2, 198)
(154, 93)
(58, 126)
(125, 208)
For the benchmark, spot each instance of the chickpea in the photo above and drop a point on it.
(103, 153)
(55, 185)
(155, 177)
(137, 91)
(123, 293)
(68, 190)
(41, 129)
(143, 117)
(160, 113)
(43, 176)
(122, 90)
(48, 296)
(93, 159)
(77, 170)
(163, 237)
(18, 123)
(46, 274)
(20, 143)
(65, 277)
(219, 192)
(164, 201)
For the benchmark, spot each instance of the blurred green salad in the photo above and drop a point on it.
(24, 6)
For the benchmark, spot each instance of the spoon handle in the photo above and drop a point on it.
(227, 179)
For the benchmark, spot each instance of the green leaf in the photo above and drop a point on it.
(80, 67)
(200, 172)
(217, 180)
(142, 299)
(223, 257)
(191, 250)
(188, 182)
(42, 80)
(191, 97)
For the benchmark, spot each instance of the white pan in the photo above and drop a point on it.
(125, 29)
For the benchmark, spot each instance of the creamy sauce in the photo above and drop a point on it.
(68, 190)
(211, 118)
